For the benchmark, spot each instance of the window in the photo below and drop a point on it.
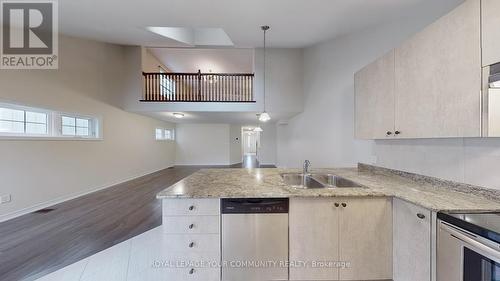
(164, 134)
(167, 85)
(16, 120)
(21, 121)
(169, 134)
(159, 134)
(75, 126)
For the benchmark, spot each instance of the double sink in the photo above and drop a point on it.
(317, 180)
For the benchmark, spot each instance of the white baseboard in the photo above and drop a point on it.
(61, 199)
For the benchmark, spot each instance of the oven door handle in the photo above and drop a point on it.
(482, 249)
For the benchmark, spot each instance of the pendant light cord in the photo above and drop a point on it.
(264, 28)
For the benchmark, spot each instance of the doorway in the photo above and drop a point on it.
(250, 145)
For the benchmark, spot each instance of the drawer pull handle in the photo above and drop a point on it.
(344, 205)
(191, 271)
(421, 216)
(191, 245)
(191, 208)
(191, 226)
(336, 205)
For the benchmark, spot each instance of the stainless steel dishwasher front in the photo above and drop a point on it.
(254, 239)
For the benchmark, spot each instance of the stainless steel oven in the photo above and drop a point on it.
(468, 251)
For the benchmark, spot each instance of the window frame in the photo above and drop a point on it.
(94, 132)
(172, 134)
(163, 135)
(48, 113)
(54, 125)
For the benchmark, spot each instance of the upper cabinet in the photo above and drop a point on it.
(436, 83)
(438, 78)
(490, 12)
(374, 86)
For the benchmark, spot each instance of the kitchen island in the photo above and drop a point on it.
(378, 231)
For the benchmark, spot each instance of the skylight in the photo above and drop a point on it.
(205, 36)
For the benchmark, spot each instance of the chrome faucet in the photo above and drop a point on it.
(306, 166)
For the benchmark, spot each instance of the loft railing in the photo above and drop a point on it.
(198, 87)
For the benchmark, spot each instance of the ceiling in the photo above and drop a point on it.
(241, 118)
(294, 23)
(217, 60)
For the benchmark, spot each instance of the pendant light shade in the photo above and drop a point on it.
(264, 116)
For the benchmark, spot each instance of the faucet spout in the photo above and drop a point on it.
(306, 167)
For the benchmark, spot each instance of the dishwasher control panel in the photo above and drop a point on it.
(254, 205)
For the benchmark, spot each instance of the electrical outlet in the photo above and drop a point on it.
(5, 199)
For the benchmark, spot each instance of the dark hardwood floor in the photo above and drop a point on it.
(39, 243)
(250, 161)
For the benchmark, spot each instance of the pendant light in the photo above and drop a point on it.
(264, 116)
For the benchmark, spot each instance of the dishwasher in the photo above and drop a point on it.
(254, 239)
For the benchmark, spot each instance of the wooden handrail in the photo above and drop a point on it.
(198, 87)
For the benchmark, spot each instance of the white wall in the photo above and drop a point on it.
(202, 144)
(324, 132)
(474, 161)
(89, 81)
(268, 146)
(235, 154)
(149, 62)
(215, 144)
(284, 80)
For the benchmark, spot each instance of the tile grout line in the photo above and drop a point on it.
(129, 256)
(84, 268)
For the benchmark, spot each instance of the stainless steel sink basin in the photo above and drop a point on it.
(333, 180)
(299, 180)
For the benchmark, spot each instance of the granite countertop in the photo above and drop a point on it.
(430, 193)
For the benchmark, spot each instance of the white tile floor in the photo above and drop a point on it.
(132, 259)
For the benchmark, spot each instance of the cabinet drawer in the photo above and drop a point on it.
(191, 224)
(192, 242)
(190, 207)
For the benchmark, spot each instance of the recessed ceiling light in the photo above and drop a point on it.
(178, 115)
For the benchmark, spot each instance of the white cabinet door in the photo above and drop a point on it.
(411, 242)
(366, 238)
(314, 237)
(438, 78)
(491, 32)
(374, 99)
